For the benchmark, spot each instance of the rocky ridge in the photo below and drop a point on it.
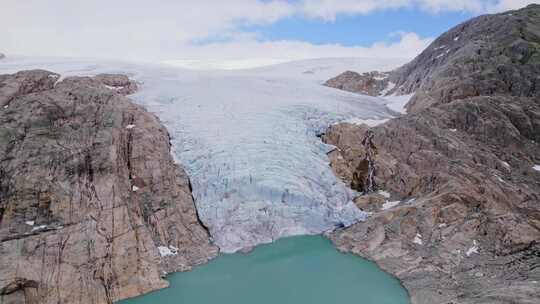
(457, 213)
(489, 55)
(370, 83)
(93, 208)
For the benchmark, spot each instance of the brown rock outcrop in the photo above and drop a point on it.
(89, 194)
(462, 224)
(121, 83)
(468, 224)
(369, 83)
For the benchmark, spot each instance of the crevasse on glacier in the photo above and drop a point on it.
(248, 142)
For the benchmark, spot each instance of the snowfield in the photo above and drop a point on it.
(248, 140)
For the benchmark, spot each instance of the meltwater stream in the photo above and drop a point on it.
(294, 270)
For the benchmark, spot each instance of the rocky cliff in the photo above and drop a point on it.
(456, 206)
(92, 207)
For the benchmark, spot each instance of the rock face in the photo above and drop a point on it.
(92, 207)
(370, 83)
(457, 214)
(488, 55)
(120, 83)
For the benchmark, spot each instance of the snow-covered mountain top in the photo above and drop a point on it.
(318, 68)
(322, 69)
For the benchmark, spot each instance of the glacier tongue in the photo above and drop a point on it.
(249, 144)
(248, 140)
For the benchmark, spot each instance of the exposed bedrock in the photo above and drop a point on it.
(92, 207)
(456, 211)
(488, 55)
(369, 83)
(464, 217)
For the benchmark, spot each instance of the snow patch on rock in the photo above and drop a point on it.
(39, 227)
(473, 249)
(389, 205)
(369, 122)
(385, 194)
(113, 87)
(418, 239)
(167, 250)
(398, 102)
(388, 88)
(442, 54)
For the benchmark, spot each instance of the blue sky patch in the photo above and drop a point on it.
(360, 29)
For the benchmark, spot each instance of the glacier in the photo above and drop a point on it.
(249, 141)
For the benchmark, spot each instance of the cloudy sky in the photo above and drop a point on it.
(246, 32)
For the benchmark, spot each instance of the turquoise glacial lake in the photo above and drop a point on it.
(299, 270)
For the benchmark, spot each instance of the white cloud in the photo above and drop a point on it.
(474, 6)
(504, 5)
(125, 28)
(176, 29)
(330, 9)
(235, 54)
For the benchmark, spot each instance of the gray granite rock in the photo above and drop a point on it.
(488, 55)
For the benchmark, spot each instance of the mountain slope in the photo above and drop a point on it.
(489, 55)
(458, 220)
(92, 207)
